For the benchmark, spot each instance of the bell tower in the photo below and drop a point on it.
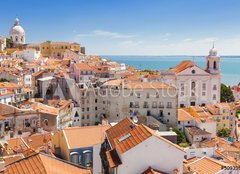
(213, 61)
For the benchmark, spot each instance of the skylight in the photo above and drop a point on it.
(124, 137)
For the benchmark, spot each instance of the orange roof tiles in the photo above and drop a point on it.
(118, 129)
(84, 66)
(113, 158)
(184, 116)
(9, 85)
(152, 171)
(136, 135)
(90, 136)
(148, 85)
(43, 164)
(126, 135)
(183, 65)
(37, 141)
(206, 165)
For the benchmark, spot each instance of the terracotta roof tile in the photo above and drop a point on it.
(184, 116)
(113, 158)
(90, 136)
(43, 164)
(206, 165)
(152, 171)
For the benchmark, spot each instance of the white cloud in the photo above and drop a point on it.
(108, 34)
(187, 40)
(130, 43)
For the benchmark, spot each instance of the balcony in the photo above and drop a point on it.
(161, 106)
(145, 106)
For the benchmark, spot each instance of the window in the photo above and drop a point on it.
(204, 86)
(87, 109)
(214, 87)
(179, 122)
(95, 108)
(87, 116)
(182, 89)
(148, 95)
(169, 104)
(83, 117)
(161, 105)
(193, 88)
(203, 93)
(214, 97)
(95, 100)
(138, 95)
(214, 65)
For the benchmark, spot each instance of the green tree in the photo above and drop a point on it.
(10, 43)
(226, 94)
(181, 138)
(237, 113)
(4, 80)
(224, 132)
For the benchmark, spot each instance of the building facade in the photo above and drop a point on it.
(17, 33)
(196, 86)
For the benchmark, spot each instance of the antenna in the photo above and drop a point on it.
(213, 44)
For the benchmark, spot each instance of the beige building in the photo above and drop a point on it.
(123, 99)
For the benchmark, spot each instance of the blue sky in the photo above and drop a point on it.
(130, 27)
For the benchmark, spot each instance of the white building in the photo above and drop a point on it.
(17, 33)
(134, 148)
(2, 43)
(31, 55)
(196, 86)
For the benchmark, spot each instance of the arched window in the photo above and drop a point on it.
(193, 88)
(16, 39)
(22, 39)
(207, 64)
(214, 65)
(74, 157)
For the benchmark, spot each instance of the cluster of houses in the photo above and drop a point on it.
(63, 110)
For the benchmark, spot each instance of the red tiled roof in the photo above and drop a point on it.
(43, 164)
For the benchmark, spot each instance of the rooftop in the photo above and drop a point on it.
(90, 136)
(196, 131)
(44, 164)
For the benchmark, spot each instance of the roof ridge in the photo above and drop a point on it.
(62, 160)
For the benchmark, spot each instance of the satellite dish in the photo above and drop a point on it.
(135, 120)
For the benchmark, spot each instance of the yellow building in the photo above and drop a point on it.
(56, 49)
(222, 113)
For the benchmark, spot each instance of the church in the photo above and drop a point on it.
(196, 86)
(17, 33)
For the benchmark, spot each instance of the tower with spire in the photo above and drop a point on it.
(213, 61)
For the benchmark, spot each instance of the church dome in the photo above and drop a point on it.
(17, 28)
(213, 51)
(17, 33)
